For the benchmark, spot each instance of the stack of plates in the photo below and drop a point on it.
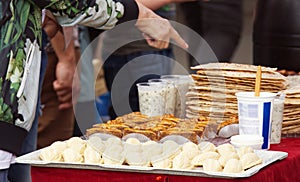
(291, 119)
(213, 94)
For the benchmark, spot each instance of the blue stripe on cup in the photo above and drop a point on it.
(266, 124)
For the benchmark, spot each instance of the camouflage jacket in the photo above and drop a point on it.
(20, 39)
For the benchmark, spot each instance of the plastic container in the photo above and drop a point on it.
(254, 141)
(277, 119)
(182, 83)
(255, 114)
(171, 94)
(152, 98)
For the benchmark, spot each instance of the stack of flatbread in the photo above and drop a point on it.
(291, 119)
(213, 94)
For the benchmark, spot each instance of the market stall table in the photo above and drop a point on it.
(284, 170)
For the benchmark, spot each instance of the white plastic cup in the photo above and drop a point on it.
(152, 98)
(182, 83)
(277, 119)
(170, 94)
(255, 114)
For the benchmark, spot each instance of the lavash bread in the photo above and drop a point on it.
(213, 94)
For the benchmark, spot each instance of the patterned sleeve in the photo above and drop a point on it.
(101, 14)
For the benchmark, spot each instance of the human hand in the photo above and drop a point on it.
(157, 30)
(50, 25)
(67, 83)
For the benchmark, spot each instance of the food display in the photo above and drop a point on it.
(186, 127)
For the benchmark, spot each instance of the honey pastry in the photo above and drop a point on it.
(233, 120)
(120, 127)
(111, 131)
(198, 131)
(192, 136)
(148, 133)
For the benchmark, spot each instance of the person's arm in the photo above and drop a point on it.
(105, 14)
(100, 14)
(156, 4)
(157, 31)
(66, 80)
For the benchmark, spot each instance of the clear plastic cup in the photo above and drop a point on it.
(277, 118)
(182, 83)
(255, 114)
(170, 94)
(152, 98)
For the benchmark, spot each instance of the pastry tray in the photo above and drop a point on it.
(267, 156)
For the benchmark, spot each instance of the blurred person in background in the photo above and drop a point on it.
(21, 42)
(218, 22)
(57, 120)
(276, 35)
(85, 109)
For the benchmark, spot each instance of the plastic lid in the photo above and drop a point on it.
(247, 139)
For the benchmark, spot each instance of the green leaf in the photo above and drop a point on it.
(24, 13)
(75, 10)
(15, 86)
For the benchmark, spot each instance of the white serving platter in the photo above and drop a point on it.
(268, 158)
